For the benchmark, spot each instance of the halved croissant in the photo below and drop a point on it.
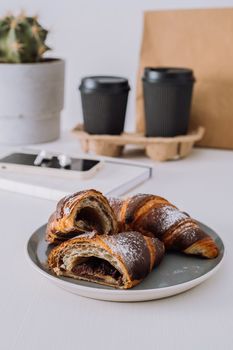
(78, 213)
(155, 216)
(120, 261)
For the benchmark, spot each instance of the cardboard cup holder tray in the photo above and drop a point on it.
(156, 148)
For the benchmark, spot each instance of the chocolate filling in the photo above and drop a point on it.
(96, 266)
(91, 219)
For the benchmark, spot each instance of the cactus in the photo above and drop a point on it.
(22, 39)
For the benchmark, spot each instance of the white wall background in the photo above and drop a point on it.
(97, 37)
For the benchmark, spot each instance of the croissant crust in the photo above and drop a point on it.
(78, 213)
(155, 216)
(120, 261)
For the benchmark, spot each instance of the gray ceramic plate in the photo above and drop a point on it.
(176, 273)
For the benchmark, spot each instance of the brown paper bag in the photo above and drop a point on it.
(201, 40)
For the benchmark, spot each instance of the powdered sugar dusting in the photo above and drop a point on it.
(130, 246)
(114, 200)
(67, 211)
(169, 216)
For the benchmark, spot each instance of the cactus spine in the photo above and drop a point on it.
(22, 39)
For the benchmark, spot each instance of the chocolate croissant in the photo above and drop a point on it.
(155, 216)
(120, 261)
(78, 213)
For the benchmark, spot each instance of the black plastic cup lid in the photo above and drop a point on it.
(104, 83)
(161, 74)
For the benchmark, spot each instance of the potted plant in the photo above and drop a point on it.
(31, 87)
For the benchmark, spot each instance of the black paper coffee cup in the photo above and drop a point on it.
(104, 102)
(167, 100)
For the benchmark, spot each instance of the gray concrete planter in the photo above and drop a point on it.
(31, 101)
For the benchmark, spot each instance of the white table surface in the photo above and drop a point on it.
(36, 315)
